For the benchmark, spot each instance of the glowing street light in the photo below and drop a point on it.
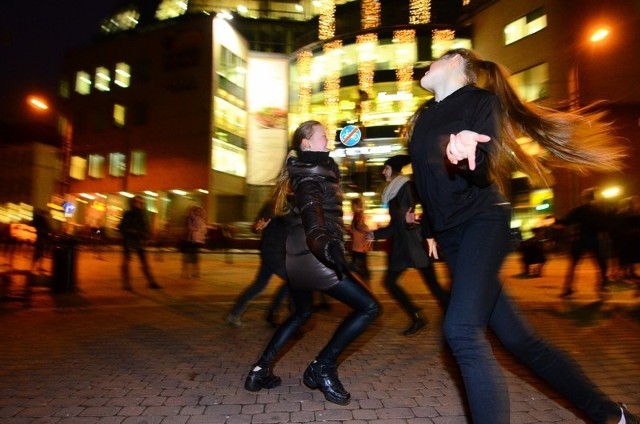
(37, 103)
(599, 35)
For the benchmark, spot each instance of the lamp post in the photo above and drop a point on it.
(65, 129)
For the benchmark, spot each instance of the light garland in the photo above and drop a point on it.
(366, 67)
(327, 20)
(443, 34)
(419, 12)
(304, 84)
(404, 69)
(333, 62)
(370, 14)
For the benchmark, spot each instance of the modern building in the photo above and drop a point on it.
(192, 102)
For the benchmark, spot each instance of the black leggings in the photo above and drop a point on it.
(357, 297)
(431, 281)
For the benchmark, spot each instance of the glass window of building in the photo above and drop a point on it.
(525, 26)
(232, 74)
(83, 83)
(78, 168)
(102, 79)
(168, 9)
(533, 83)
(119, 115)
(138, 162)
(96, 166)
(122, 75)
(121, 21)
(117, 164)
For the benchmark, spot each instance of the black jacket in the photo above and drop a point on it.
(316, 221)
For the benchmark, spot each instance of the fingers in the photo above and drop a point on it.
(433, 251)
(463, 146)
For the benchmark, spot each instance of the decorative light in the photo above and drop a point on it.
(327, 20)
(404, 69)
(332, 51)
(370, 14)
(304, 83)
(419, 12)
(366, 67)
(443, 34)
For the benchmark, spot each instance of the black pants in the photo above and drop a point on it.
(365, 309)
(431, 281)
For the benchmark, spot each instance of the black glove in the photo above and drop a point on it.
(335, 251)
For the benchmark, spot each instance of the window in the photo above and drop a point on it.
(78, 168)
(532, 84)
(121, 21)
(122, 75)
(119, 115)
(138, 162)
(117, 164)
(102, 79)
(96, 166)
(524, 26)
(171, 9)
(83, 83)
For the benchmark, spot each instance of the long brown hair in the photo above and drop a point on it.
(580, 140)
(281, 203)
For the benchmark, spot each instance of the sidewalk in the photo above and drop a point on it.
(103, 355)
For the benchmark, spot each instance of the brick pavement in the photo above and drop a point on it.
(103, 355)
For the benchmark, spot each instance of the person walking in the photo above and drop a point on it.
(315, 261)
(194, 240)
(273, 229)
(42, 241)
(587, 223)
(360, 244)
(462, 145)
(406, 248)
(134, 228)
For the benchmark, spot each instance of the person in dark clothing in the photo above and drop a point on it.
(272, 261)
(533, 254)
(406, 249)
(315, 261)
(463, 146)
(587, 222)
(43, 235)
(360, 243)
(134, 228)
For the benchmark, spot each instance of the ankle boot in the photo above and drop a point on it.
(261, 379)
(416, 326)
(325, 378)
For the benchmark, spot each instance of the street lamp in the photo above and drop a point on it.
(596, 36)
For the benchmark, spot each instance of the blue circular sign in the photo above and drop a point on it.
(69, 208)
(350, 135)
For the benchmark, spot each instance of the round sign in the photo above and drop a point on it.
(350, 135)
(69, 208)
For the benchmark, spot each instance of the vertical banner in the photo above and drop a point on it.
(267, 103)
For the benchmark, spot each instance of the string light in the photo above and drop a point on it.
(332, 51)
(304, 84)
(370, 14)
(419, 12)
(443, 34)
(327, 20)
(405, 39)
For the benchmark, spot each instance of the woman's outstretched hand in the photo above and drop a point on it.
(432, 247)
(463, 146)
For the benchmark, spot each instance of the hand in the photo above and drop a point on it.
(411, 217)
(432, 247)
(262, 224)
(463, 146)
(335, 251)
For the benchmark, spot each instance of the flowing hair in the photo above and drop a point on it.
(580, 140)
(282, 193)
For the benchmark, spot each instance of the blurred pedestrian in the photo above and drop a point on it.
(360, 244)
(625, 237)
(588, 226)
(315, 261)
(406, 249)
(463, 147)
(273, 230)
(42, 241)
(134, 229)
(533, 254)
(195, 238)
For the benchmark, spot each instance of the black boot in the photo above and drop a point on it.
(325, 378)
(261, 379)
(416, 326)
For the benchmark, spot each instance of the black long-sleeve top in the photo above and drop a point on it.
(452, 193)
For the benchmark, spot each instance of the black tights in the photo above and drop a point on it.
(431, 281)
(357, 297)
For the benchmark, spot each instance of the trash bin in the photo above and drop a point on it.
(64, 265)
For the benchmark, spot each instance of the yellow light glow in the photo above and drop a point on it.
(327, 20)
(332, 87)
(38, 103)
(610, 192)
(599, 35)
(304, 83)
(419, 12)
(370, 14)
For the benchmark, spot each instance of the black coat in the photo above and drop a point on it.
(407, 249)
(316, 221)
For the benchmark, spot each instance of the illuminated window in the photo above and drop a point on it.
(122, 75)
(138, 162)
(78, 168)
(117, 164)
(96, 166)
(123, 20)
(527, 25)
(83, 83)
(168, 9)
(64, 89)
(533, 83)
(103, 80)
(119, 114)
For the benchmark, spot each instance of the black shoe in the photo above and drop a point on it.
(325, 378)
(261, 379)
(416, 326)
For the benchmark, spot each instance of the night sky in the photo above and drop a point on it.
(34, 36)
